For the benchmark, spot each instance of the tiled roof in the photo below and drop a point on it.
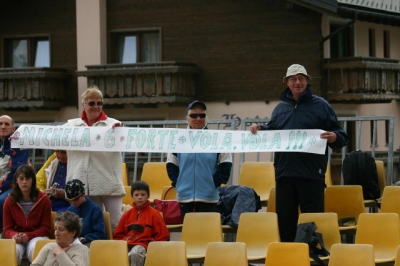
(382, 5)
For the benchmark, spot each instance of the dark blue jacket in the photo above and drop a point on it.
(308, 112)
(93, 227)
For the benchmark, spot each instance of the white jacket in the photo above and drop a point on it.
(101, 172)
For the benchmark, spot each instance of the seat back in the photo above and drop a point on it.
(397, 259)
(345, 200)
(327, 223)
(380, 168)
(156, 176)
(271, 207)
(166, 253)
(382, 231)
(109, 253)
(39, 245)
(258, 175)
(352, 255)
(8, 252)
(257, 230)
(52, 217)
(198, 229)
(226, 253)
(287, 253)
(107, 224)
(127, 199)
(124, 175)
(390, 199)
(328, 175)
(168, 193)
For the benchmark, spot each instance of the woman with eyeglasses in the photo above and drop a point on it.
(100, 171)
(27, 213)
(197, 176)
(67, 249)
(92, 216)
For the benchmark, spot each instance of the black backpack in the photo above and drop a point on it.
(359, 168)
(306, 233)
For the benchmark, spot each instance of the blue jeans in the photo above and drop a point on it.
(3, 197)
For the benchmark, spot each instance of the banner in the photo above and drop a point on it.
(165, 140)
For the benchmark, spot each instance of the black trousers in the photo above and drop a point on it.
(197, 207)
(291, 194)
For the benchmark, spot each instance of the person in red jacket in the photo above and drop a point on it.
(140, 225)
(27, 213)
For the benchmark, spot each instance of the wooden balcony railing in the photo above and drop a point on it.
(144, 83)
(32, 87)
(362, 80)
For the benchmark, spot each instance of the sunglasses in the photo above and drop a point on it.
(93, 103)
(203, 115)
(74, 199)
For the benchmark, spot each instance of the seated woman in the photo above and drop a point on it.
(27, 213)
(51, 180)
(67, 250)
(91, 214)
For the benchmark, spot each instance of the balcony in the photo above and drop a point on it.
(32, 87)
(362, 80)
(144, 83)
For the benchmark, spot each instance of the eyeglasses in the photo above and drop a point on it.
(203, 115)
(74, 199)
(92, 103)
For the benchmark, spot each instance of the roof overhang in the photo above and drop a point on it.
(373, 12)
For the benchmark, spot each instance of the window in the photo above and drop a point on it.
(371, 42)
(341, 42)
(27, 52)
(386, 44)
(128, 47)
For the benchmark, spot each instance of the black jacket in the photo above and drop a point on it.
(309, 112)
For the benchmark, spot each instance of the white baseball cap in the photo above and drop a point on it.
(294, 70)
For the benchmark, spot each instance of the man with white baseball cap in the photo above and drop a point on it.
(300, 177)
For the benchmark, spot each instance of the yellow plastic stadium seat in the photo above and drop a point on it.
(107, 224)
(271, 207)
(52, 217)
(286, 253)
(347, 201)
(226, 253)
(109, 253)
(156, 176)
(39, 245)
(257, 230)
(328, 176)
(352, 255)
(327, 223)
(390, 200)
(166, 253)
(124, 175)
(8, 252)
(168, 193)
(382, 231)
(127, 199)
(199, 229)
(397, 260)
(260, 176)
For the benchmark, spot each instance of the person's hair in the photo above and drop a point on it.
(16, 193)
(91, 92)
(9, 117)
(140, 185)
(72, 222)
